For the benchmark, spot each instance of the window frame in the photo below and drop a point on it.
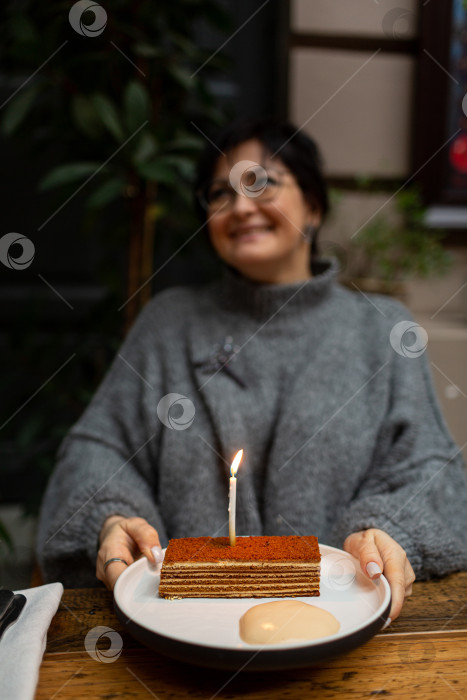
(432, 97)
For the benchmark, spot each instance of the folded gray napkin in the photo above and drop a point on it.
(22, 645)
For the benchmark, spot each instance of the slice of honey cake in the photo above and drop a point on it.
(255, 567)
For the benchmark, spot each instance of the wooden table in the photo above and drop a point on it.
(422, 655)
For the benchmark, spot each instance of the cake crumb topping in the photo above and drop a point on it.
(261, 548)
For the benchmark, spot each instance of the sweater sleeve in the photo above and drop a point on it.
(107, 463)
(416, 487)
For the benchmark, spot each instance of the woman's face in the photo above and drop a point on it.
(263, 240)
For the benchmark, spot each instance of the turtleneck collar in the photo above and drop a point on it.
(260, 301)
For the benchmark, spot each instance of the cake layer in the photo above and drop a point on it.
(254, 570)
(242, 594)
(216, 586)
(264, 581)
(212, 576)
(239, 586)
(238, 566)
(239, 592)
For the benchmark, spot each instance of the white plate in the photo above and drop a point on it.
(205, 631)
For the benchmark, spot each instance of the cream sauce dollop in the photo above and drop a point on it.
(284, 620)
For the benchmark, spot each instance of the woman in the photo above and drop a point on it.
(341, 432)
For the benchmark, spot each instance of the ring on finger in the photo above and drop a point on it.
(109, 561)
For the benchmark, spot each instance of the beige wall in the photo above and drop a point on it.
(359, 17)
(357, 106)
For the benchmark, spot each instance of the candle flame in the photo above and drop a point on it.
(236, 462)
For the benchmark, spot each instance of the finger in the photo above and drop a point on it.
(112, 572)
(394, 572)
(400, 576)
(144, 535)
(397, 599)
(109, 574)
(363, 547)
(409, 573)
(112, 548)
(116, 544)
(409, 578)
(108, 526)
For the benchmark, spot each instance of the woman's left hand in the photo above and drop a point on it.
(375, 548)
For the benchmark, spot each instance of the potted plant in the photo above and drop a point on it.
(108, 99)
(117, 97)
(385, 254)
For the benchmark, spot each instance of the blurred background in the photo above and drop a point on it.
(104, 108)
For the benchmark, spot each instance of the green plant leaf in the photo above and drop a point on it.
(184, 166)
(189, 49)
(85, 117)
(108, 115)
(404, 248)
(146, 50)
(65, 174)
(167, 169)
(183, 77)
(18, 109)
(107, 192)
(6, 537)
(185, 143)
(158, 171)
(137, 105)
(146, 147)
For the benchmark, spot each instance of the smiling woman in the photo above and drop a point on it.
(341, 432)
(262, 231)
(265, 197)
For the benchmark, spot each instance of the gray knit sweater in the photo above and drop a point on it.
(340, 432)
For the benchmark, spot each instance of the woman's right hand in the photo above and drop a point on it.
(124, 538)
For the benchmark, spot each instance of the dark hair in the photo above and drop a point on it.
(296, 150)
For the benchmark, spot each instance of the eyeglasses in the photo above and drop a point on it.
(253, 182)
